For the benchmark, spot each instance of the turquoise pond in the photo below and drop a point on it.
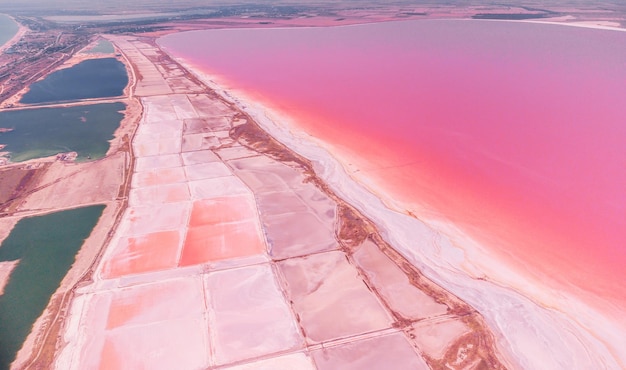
(89, 79)
(45, 248)
(42, 132)
(102, 47)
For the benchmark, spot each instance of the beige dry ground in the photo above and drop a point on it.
(6, 267)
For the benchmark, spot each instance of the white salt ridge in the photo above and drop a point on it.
(531, 335)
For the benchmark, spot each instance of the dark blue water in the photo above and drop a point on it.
(93, 78)
(42, 132)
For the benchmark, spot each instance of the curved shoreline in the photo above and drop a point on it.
(585, 338)
(22, 30)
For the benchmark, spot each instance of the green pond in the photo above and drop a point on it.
(8, 29)
(42, 132)
(45, 247)
(89, 79)
(102, 47)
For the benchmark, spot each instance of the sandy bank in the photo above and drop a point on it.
(599, 25)
(559, 332)
(6, 268)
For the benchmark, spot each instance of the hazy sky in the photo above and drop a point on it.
(121, 6)
(59, 7)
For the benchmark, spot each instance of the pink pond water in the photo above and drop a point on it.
(515, 132)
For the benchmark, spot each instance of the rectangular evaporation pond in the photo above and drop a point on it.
(38, 133)
(45, 248)
(89, 79)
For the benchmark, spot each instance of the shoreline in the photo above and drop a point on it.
(21, 32)
(453, 276)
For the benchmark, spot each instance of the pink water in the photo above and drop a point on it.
(515, 132)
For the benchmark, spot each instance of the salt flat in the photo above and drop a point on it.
(231, 255)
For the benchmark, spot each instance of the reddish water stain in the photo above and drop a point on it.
(150, 252)
(222, 209)
(513, 131)
(209, 243)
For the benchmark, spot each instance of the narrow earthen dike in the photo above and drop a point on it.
(475, 349)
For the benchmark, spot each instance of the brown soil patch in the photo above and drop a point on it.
(15, 183)
(11, 181)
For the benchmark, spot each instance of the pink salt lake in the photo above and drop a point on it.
(515, 132)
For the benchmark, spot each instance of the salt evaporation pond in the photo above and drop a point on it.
(42, 132)
(89, 79)
(513, 131)
(44, 248)
(8, 29)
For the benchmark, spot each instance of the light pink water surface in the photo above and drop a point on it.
(515, 132)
